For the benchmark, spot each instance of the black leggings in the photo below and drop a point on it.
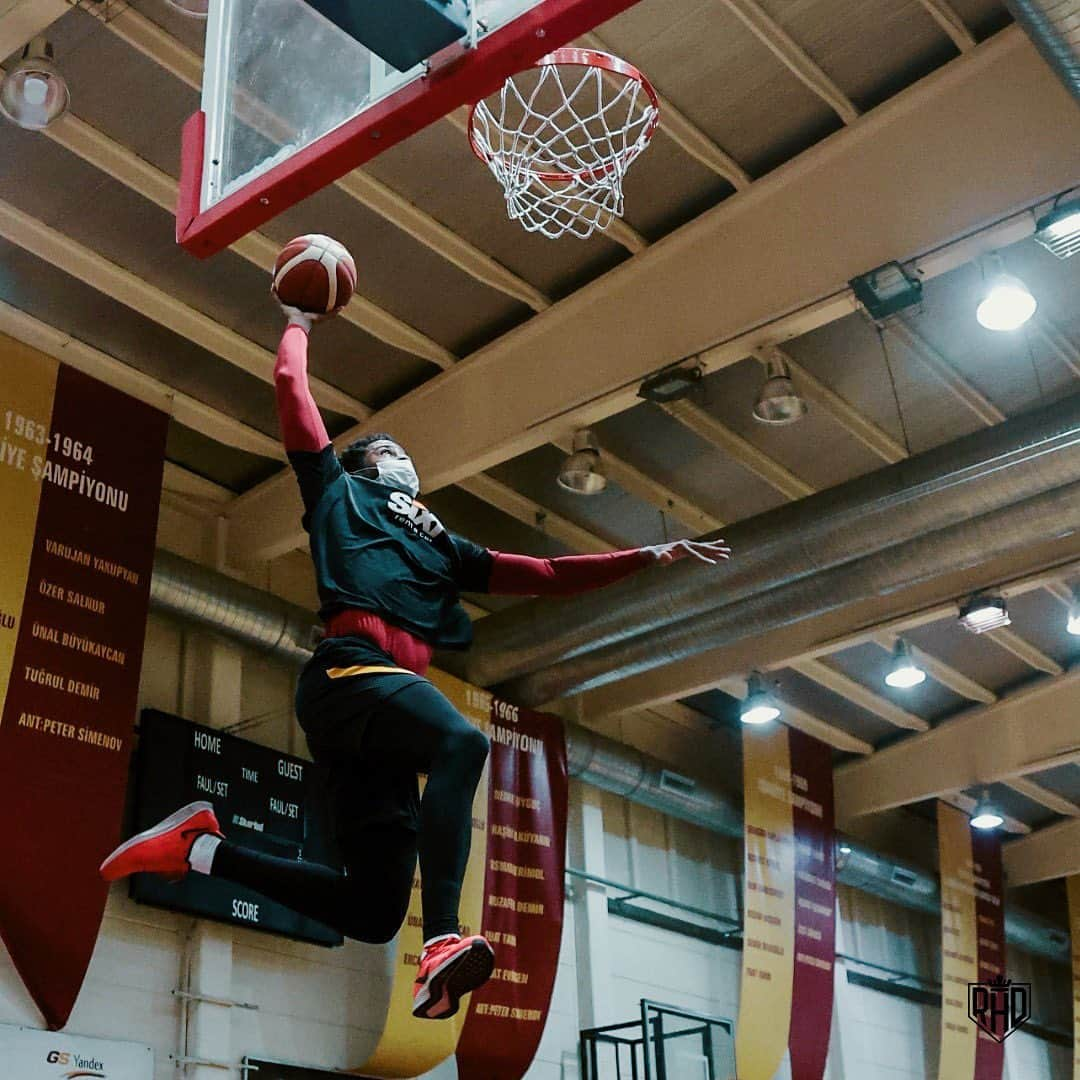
(374, 733)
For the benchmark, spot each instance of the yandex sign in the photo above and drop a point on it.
(28, 1054)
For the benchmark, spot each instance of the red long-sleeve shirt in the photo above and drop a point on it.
(302, 429)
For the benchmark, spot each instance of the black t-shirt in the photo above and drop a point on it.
(376, 548)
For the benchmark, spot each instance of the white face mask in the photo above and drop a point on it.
(399, 473)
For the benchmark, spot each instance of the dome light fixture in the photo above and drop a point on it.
(904, 673)
(197, 9)
(984, 612)
(778, 401)
(33, 93)
(1073, 625)
(1007, 305)
(759, 706)
(986, 815)
(583, 472)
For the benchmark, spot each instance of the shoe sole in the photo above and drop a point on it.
(162, 827)
(452, 980)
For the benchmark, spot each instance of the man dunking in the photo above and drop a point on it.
(389, 578)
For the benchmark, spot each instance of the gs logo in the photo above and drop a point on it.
(58, 1057)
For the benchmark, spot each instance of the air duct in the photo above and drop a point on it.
(230, 607)
(254, 618)
(1046, 517)
(1054, 27)
(972, 476)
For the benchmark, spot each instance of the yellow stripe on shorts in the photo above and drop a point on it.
(366, 669)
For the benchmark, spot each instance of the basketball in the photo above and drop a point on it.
(315, 274)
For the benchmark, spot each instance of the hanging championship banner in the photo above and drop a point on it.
(523, 903)
(975, 1005)
(1073, 884)
(512, 894)
(790, 903)
(80, 480)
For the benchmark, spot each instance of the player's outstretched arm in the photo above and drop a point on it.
(523, 575)
(302, 426)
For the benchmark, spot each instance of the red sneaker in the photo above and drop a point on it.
(449, 970)
(163, 849)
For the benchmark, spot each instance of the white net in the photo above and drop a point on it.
(559, 138)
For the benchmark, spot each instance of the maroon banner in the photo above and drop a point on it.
(815, 905)
(523, 893)
(990, 923)
(70, 704)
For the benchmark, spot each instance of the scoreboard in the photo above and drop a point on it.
(265, 800)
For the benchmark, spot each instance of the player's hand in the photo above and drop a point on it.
(708, 551)
(296, 317)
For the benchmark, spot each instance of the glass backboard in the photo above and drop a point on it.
(291, 102)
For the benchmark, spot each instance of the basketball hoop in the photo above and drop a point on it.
(560, 136)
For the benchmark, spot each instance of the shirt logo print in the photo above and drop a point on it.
(417, 518)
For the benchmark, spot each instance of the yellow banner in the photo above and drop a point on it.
(1073, 884)
(407, 1046)
(26, 402)
(769, 938)
(959, 943)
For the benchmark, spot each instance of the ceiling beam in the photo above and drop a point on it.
(849, 626)
(1057, 342)
(945, 373)
(1053, 852)
(185, 482)
(156, 304)
(939, 671)
(531, 513)
(981, 745)
(857, 694)
(185, 409)
(139, 175)
(1042, 579)
(795, 58)
(1024, 650)
(972, 118)
(687, 135)
(192, 494)
(843, 412)
(150, 39)
(804, 721)
(1043, 796)
(707, 427)
(949, 21)
(1060, 591)
(644, 487)
(23, 20)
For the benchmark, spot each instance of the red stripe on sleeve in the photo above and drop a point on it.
(302, 426)
(522, 575)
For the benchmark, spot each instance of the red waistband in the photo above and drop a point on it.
(406, 649)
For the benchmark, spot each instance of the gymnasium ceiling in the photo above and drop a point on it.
(516, 340)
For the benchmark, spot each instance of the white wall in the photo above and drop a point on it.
(324, 1007)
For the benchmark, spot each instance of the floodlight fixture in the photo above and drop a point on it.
(671, 384)
(1059, 231)
(984, 612)
(886, 290)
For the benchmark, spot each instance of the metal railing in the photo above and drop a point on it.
(665, 1043)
